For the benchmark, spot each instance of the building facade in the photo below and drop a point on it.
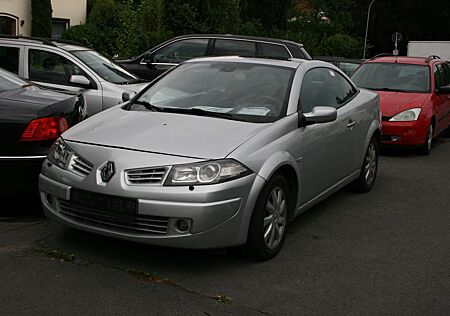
(15, 16)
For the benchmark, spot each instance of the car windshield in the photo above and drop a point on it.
(105, 67)
(393, 77)
(9, 81)
(232, 90)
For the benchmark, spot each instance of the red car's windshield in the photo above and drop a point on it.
(393, 77)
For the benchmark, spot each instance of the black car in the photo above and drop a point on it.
(31, 119)
(157, 60)
(347, 65)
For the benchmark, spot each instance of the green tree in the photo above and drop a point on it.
(272, 14)
(41, 18)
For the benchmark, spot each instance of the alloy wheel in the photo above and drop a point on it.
(370, 167)
(275, 216)
(430, 137)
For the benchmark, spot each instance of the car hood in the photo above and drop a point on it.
(165, 133)
(392, 103)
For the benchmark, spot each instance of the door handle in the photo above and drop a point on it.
(351, 123)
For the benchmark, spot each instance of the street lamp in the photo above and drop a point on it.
(367, 28)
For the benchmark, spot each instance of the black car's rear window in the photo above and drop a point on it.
(9, 81)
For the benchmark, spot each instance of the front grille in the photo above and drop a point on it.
(139, 225)
(386, 138)
(80, 165)
(153, 176)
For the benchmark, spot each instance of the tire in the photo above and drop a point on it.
(426, 147)
(369, 168)
(270, 217)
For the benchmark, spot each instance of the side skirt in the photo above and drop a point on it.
(331, 190)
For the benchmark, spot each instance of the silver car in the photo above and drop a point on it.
(66, 66)
(219, 152)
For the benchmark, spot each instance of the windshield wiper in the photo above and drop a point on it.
(149, 106)
(133, 81)
(198, 112)
(389, 89)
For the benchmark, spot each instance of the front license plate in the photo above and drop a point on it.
(103, 204)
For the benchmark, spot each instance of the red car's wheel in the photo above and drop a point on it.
(426, 147)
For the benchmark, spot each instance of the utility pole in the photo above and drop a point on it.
(367, 29)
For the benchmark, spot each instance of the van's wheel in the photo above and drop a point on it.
(369, 168)
(426, 147)
(270, 219)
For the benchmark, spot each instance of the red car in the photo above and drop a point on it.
(414, 97)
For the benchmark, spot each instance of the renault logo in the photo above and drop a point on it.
(107, 171)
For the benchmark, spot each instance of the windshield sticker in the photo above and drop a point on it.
(213, 109)
(260, 111)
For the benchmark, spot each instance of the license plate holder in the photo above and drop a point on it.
(104, 205)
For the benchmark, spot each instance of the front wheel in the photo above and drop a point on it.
(426, 147)
(369, 168)
(269, 221)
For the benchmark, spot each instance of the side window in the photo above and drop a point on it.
(181, 50)
(50, 67)
(324, 87)
(9, 59)
(445, 74)
(273, 50)
(231, 47)
(437, 77)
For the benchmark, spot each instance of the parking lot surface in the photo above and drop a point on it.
(384, 252)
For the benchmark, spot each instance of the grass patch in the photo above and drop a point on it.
(58, 255)
(223, 299)
(147, 277)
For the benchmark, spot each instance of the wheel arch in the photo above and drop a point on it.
(373, 131)
(284, 164)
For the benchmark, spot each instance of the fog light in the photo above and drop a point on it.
(182, 225)
(396, 138)
(49, 199)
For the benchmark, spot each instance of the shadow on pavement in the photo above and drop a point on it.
(20, 205)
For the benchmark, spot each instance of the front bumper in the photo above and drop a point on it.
(219, 214)
(404, 133)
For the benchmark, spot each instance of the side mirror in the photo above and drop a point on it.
(80, 80)
(319, 114)
(443, 90)
(149, 58)
(128, 95)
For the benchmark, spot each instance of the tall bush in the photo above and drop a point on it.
(41, 18)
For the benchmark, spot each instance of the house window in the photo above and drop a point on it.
(59, 26)
(8, 24)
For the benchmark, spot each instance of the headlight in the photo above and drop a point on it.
(207, 172)
(408, 115)
(60, 154)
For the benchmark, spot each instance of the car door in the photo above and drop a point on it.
(442, 101)
(53, 69)
(170, 55)
(329, 148)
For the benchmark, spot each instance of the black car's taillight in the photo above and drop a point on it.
(45, 128)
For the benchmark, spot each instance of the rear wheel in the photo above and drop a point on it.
(426, 147)
(369, 168)
(269, 221)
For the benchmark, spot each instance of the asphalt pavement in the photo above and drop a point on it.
(384, 252)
